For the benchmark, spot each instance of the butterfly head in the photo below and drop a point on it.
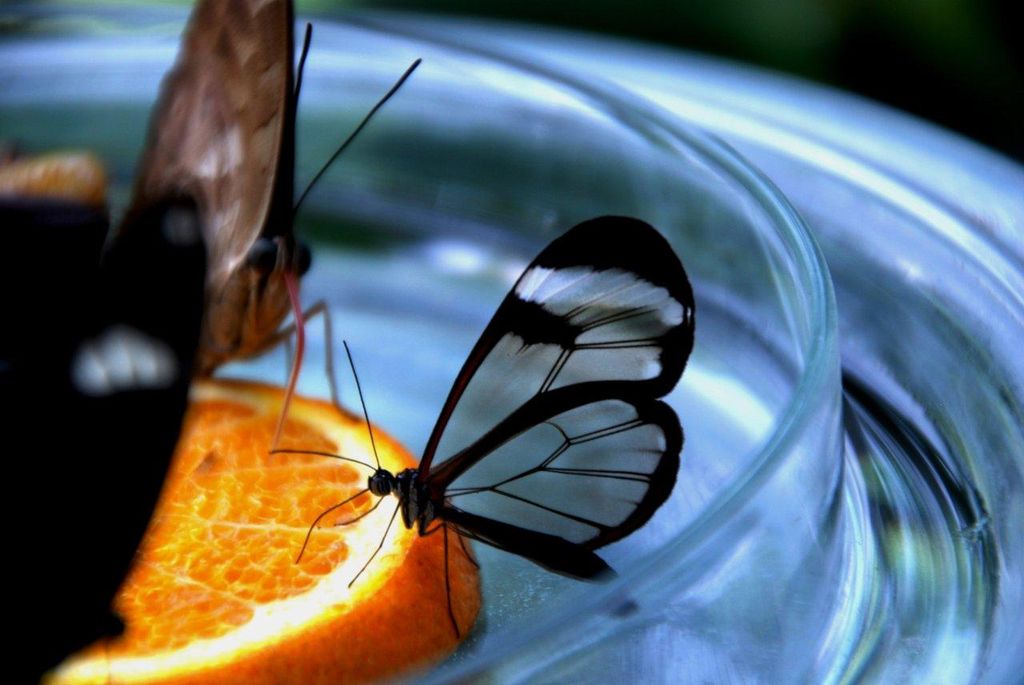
(272, 254)
(382, 483)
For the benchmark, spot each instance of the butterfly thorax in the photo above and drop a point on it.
(413, 496)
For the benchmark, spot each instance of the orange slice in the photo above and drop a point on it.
(216, 596)
(77, 176)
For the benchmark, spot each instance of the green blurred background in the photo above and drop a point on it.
(957, 63)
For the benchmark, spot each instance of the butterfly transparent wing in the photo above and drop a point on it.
(588, 474)
(553, 441)
(605, 311)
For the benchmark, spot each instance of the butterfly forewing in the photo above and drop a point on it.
(571, 448)
(604, 311)
(223, 133)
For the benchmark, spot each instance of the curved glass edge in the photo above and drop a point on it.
(954, 206)
(837, 132)
(816, 395)
(808, 431)
(820, 326)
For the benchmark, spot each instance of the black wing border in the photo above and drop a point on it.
(607, 242)
(540, 547)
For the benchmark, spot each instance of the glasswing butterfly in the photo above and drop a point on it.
(553, 441)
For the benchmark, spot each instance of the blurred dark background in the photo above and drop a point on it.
(957, 63)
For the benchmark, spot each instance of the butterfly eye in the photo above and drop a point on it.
(303, 258)
(263, 255)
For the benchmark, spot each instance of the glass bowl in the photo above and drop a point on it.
(922, 231)
(420, 229)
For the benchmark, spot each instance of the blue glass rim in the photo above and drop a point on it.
(819, 382)
(820, 372)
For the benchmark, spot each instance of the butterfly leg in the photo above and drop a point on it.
(427, 532)
(363, 515)
(448, 584)
(284, 336)
(459, 535)
(443, 527)
(291, 282)
(323, 513)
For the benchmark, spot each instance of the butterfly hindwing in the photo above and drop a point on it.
(576, 450)
(547, 550)
(587, 473)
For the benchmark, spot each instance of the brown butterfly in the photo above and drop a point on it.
(223, 132)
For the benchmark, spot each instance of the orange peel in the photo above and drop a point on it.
(74, 176)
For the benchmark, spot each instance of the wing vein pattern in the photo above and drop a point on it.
(554, 440)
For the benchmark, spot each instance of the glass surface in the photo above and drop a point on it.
(922, 233)
(420, 229)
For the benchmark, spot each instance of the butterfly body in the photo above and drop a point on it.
(414, 500)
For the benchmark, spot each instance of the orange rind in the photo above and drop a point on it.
(73, 176)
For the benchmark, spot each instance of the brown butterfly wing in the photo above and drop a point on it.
(223, 132)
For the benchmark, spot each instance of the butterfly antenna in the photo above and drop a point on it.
(302, 63)
(360, 127)
(382, 539)
(366, 414)
(318, 453)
